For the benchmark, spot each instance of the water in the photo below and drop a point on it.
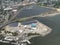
(35, 10)
(54, 37)
(51, 39)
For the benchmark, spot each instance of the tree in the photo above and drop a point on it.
(57, 4)
(14, 33)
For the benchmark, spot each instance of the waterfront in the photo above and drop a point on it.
(33, 10)
(54, 37)
(51, 39)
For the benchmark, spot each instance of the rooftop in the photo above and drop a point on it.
(15, 24)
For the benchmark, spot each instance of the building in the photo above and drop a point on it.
(7, 3)
(12, 27)
(31, 26)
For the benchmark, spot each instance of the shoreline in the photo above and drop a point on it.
(49, 15)
(57, 11)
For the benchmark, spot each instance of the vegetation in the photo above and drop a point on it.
(8, 32)
(1, 11)
(57, 5)
(32, 34)
(14, 33)
(39, 4)
(42, 4)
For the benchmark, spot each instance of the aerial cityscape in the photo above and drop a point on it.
(29, 22)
